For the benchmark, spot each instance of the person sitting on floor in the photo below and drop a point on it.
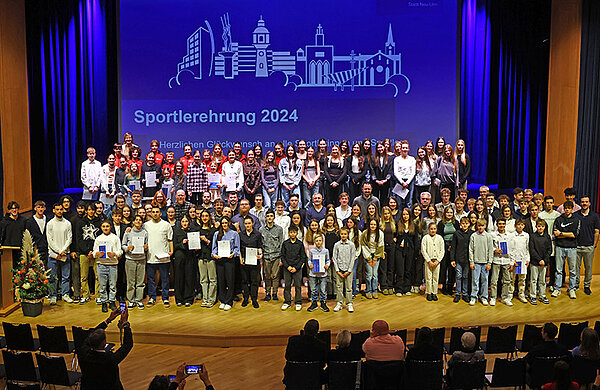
(382, 346)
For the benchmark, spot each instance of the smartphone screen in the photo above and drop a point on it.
(123, 305)
(193, 369)
(171, 378)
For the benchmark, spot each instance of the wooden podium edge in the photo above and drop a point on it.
(6, 311)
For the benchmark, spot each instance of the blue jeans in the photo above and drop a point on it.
(462, 279)
(163, 270)
(270, 198)
(570, 255)
(406, 202)
(65, 274)
(372, 280)
(317, 288)
(107, 274)
(479, 281)
(307, 193)
(285, 194)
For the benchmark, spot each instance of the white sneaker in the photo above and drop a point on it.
(522, 298)
(298, 307)
(407, 293)
(53, 301)
(98, 301)
(572, 294)
(472, 302)
(67, 298)
(350, 308)
(507, 302)
(227, 307)
(399, 294)
(337, 307)
(221, 306)
(493, 302)
(555, 293)
(285, 306)
(484, 301)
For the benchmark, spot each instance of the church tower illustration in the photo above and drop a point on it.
(260, 40)
(390, 45)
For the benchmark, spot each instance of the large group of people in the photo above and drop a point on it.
(336, 218)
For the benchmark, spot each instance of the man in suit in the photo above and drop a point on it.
(305, 347)
(100, 368)
(36, 224)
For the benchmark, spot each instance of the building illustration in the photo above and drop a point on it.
(314, 65)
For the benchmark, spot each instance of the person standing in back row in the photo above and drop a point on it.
(566, 230)
(587, 241)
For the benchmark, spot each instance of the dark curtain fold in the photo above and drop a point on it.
(504, 81)
(71, 65)
(587, 157)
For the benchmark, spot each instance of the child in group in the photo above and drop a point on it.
(480, 259)
(519, 254)
(502, 264)
(293, 258)
(318, 276)
(344, 255)
(107, 250)
(432, 249)
(135, 262)
(459, 256)
(373, 250)
(540, 249)
(214, 184)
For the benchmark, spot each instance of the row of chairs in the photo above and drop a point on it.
(19, 369)
(428, 375)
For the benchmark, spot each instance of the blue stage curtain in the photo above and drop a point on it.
(587, 158)
(504, 83)
(70, 69)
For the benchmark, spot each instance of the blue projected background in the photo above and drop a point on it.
(200, 72)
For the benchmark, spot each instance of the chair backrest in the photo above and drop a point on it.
(342, 375)
(19, 366)
(508, 373)
(438, 337)
(569, 335)
(22, 386)
(532, 336)
(18, 337)
(53, 339)
(357, 340)
(79, 336)
(597, 327)
(383, 375)
(424, 375)
(325, 336)
(402, 333)
(467, 375)
(501, 340)
(53, 370)
(541, 370)
(456, 333)
(302, 375)
(583, 371)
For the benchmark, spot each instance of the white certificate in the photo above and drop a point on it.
(230, 183)
(138, 245)
(400, 191)
(318, 262)
(251, 256)
(134, 185)
(87, 195)
(214, 178)
(194, 240)
(150, 178)
(223, 248)
(106, 200)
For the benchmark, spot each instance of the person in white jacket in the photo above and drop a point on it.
(519, 255)
(107, 250)
(233, 170)
(432, 248)
(91, 173)
(107, 181)
(405, 168)
(59, 234)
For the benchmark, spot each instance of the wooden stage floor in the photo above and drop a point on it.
(269, 326)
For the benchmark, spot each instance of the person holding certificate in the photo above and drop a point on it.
(318, 263)
(107, 249)
(186, 243)
(251, 243)
(135, 245)
(206, 264)
(225, 248)
(150, 176)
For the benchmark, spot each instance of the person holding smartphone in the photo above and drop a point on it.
(163, 382)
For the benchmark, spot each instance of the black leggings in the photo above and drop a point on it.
(225, 277)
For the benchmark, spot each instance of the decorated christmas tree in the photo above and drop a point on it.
(30, 277)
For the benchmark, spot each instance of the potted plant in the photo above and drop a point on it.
(30, 279)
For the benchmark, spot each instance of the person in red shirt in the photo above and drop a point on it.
(382, 346)
(237, 148)
(117, 153)
(279, 152)
(187, 158)
(135, 157)
(169, 162)
(158, 156)
(206, 158)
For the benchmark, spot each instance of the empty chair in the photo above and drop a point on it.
(583, 371)
(53, 371)
(424, 375)
(569, 334)
(19, 366)
(302, 375)
(508, 373)
(455, 335)
(325, 336)
(383, 375)
(19, 337)
(501, 340)
(357, 340)
(342, 375)
(541, 370)
(402, 333)
(532, 336)
(79, 336)
(467, 375)
(438, 336)
(54, 339)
